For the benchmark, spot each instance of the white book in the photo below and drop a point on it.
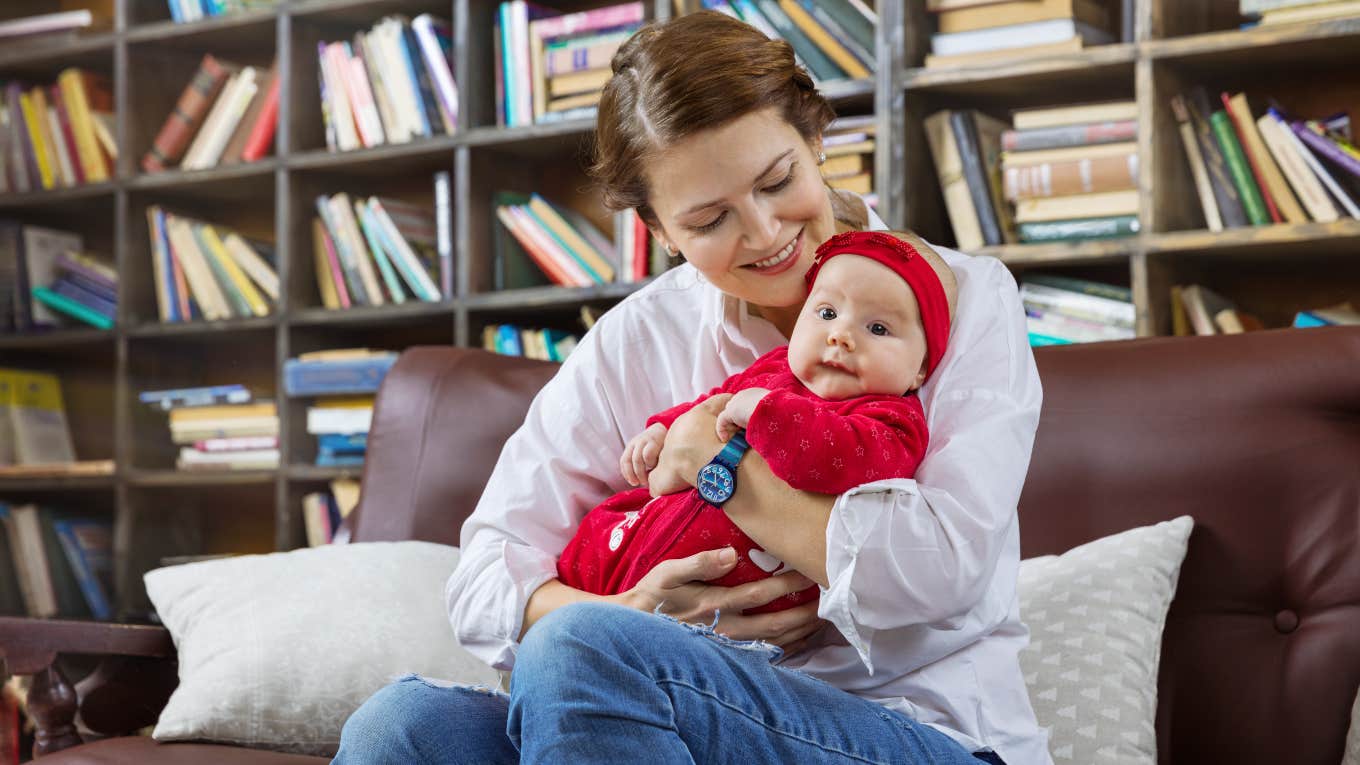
(65, 172)
(189, 455)
(193, 157)
(343, 212)
(397, 74)
(342, 112)
(45, 23)
(1092, 307)
(30, 562)
(1306, 185)
(42, 247)
(254, 265)
(519, 56)
(344, 420)
(394, 128)
(202, 284)
(445, 87)
(361, 99)
(1017, 36)
(246, 88)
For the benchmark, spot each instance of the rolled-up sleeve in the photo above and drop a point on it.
(560, 463)
(922, 552)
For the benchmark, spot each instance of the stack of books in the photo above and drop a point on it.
(1198, 310)
(57, 135)
(542, 344)
(393, 84)
(323, 512)
(984, 31)
(1060, 310)
(551, 67)
(344, 383)
(1330, 316)
(84, 289)
(1272, 12)
(55, 564)
(47, 282)
(831, 39)
(1255, 166)
(33, 420)
(226, 114)
(184, 11)
(849, 147)
(1072, 171)
(562, 245)
(222, 427)
(376, 250)
(966, 146)
(204, 271)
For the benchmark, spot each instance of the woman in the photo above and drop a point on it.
(712, 133)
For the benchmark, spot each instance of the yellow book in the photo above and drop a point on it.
(205, 289)
(182, 415)
(38, 417)
(571, 83)
(1097, 205)
(219, 251)
(860, 183)
(571, 237)
(345, 402)
(840, 150)
(254, 265)
(823, 39)
(82, 126)
(33, 123)
(325, 283)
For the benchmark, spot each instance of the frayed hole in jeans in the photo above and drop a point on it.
(436, 682)
(773, 652)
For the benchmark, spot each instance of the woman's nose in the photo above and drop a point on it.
(763, 231)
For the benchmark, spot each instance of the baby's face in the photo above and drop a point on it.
(860, 332)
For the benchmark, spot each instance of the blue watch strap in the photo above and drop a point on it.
(733, 450)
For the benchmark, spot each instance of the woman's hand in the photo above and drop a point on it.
(691, 443)
(679, 587)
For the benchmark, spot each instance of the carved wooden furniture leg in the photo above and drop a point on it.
(52, 705)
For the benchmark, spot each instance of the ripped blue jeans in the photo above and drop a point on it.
(598, 683)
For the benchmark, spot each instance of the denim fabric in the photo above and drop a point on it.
(598, 683)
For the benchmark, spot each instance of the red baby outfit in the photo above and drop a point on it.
(828, 447)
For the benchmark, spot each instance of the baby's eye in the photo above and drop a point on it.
(826, 313)
(878, 329)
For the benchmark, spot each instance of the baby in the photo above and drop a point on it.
(834, 409)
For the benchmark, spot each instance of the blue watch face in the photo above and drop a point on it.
(715, 483)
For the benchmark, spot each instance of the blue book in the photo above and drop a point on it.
(332, 460)
(329, 377)
(98, 289)
(343, 443)
(89, 549)
(1306, 319)
(186, 397)
(174, 11)
(507, 340)
(97, 303)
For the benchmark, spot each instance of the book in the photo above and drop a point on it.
(40, 249)
(1284, 207)
(1325, 147)
(1314, 12)
(71, 307)
(329, 280)
(405, 258)
(1063, 136)
(87, 545)
(1238, 169)
(975, 176)
(963, 215)
(11, 596)
(1201, 305)
(45, 23)
(1203, 187)
(1079, 229)
(818, 63)
(348, 259)
(1002, 14)
(1077, 114)
(345, 420)
(822, 38)
(1017, 36)
(1225, 191)
(1085, 175)
(184, 120)
(443, 224)
(1108, 203)
(317, 378)
(24, 529)
(214, 395)
(435, 41)
(1320, 172)
(254, 266)
(1301, 178)
(369, 226)
(263, 106)
(83, 92)
(206, 149)
(585, 253)
(1096, 308)
(197, 273)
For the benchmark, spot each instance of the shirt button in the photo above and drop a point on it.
(1286, 622)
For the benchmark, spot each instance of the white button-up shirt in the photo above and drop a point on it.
(922, 572)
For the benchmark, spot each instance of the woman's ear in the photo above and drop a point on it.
(659, 234)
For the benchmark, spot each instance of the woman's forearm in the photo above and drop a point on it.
(788, 523)
(552, 595)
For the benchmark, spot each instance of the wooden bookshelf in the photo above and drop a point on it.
(1172, 44)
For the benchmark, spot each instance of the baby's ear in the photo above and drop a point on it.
(920, 378)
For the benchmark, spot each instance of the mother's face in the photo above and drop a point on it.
(746, 205)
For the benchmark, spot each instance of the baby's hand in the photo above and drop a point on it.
(641, 454)
(737, 413)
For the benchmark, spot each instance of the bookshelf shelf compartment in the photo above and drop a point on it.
(180, 479)
(1334, 40)
(379, 160)
(547, 298)
(243, 181)
(374, 316)
(70, 196)
(93, 51)
(1004, 78)
(56, 341)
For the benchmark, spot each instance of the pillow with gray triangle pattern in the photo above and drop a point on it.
(1095, 615)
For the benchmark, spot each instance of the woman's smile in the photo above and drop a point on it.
(781, 261)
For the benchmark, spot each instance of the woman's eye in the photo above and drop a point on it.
(878, 329)
(707, 227)
(826, 313)
(783, 183)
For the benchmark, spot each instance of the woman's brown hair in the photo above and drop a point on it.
(692, 73)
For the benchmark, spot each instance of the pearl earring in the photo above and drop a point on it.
(821, 158)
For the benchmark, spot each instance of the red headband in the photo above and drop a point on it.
(915, 270)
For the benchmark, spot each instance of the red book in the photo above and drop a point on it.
(67, 135)
(262, 134)
(185, 118)
(641, 247)
(1251, 158)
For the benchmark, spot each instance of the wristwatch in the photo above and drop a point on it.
(717, 480)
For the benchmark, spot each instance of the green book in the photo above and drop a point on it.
(1233, 155)
(369, 227)
(1079, 229)
(239, 306)
(822, 67)
(71, 308)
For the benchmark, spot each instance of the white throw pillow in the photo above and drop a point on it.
(1352, 756)
(1095, 615)
(276, 651)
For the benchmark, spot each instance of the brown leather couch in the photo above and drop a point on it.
(1256, 436)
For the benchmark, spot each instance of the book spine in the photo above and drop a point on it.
(863, 54)
(1308, 188)
(81, 567)
(380, 256)
(324, 88)
(949, 169)
(348, 260)
(1237, 165)
(66, 135)
(975, 176)
(411, 268)
(1065, 136)
(69, 288)
(184, 119)
(33, 129)
(1239, 115)
(580, 58)
(1091, 307)
(1075, 230)
(822, 68)
(71, 308)
(1225, 192)
(823, 40)
(428, 33)
(1078, 176)
(433, 113)
(262, 133)
(1313, 163)
(443, 224)
(589, 21)
(337, 271)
